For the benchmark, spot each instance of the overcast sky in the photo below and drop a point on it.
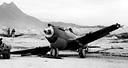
(82, 12)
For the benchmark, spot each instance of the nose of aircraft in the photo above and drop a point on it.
(48, 32)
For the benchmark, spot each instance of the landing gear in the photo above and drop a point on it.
(83, 52)
(6, 56)
(54, 52)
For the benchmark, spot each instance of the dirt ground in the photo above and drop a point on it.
(69, 59)
(92, 61)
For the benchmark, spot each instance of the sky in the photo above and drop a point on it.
(81, 12)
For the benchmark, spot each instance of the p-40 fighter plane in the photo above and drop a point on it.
(61, 39)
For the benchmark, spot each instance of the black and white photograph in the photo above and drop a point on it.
(63, 33)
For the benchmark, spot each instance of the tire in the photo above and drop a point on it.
(82, 52)
(54, 52)
(6, 56)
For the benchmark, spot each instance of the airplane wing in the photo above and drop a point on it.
(33, 51)
(90, 37)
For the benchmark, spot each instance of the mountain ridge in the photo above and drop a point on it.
(11, 16)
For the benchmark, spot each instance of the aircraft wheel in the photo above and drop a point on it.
(82, 52)
(6, 56)
(54, 52)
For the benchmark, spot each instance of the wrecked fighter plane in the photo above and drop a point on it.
(62, 39)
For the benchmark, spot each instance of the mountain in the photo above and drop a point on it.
(65, 24)
(74, 25)
(11, 16)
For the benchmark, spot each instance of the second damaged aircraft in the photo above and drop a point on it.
(61, 39)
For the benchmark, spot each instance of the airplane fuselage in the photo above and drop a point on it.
(60, 38)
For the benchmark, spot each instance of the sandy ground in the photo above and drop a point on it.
(69, 59)
(91, 61)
